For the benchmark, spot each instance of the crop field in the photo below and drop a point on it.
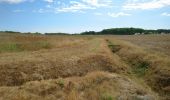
(84, 67)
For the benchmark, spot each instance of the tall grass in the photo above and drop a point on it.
(152, 68)
(20, 42)
(25, 46)
(10, 47)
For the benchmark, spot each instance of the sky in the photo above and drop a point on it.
(74, 16)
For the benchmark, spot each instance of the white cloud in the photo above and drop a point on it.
(145, 5)
(40, 11)
(48, 6)
(49, 1)
(12, 1)
(75, 7)
(15, 1)
(98, 3)
(165, 14)
(82, 5)
(118, 14)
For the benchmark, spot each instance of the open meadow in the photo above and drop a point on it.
(84, 67)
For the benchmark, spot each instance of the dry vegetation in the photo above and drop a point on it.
(158, 43)
(38, 67)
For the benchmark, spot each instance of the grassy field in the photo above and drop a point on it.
(158, 43)
(39, 67)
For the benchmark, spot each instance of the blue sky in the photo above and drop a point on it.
(75, 16)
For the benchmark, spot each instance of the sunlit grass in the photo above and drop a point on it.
(19, 42)
(27, 46)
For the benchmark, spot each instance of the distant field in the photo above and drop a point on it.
(159, 43)
(39, 67)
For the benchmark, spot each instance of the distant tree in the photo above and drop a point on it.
(126, 31)
(10, 32)
(37, 33)
(57, 34)
(88, 33)
(122, 31)
(166, 31)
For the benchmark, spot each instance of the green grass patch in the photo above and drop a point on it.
(61, 83)
(106, 96)
(140, 68)
(25, 46)
(10, 47)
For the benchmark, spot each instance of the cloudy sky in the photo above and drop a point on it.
(82, 15)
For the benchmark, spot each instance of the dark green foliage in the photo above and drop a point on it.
(122, 31)
(10, 32)
(88, 33)
(57, 34)
(126, 31)
(36, 33)
(28, 33)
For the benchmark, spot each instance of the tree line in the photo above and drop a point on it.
(112, 31)
(126, 31)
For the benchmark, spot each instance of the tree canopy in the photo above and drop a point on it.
(126, 31)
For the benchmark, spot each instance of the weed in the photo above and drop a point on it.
(10, 47)
(106, 96)
(61, 83)
(141, 68)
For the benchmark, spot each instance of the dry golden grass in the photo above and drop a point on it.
(158, 43)
(18, 43)
(80, 68)
(73, 58)
(93, 86)
(153, 68)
